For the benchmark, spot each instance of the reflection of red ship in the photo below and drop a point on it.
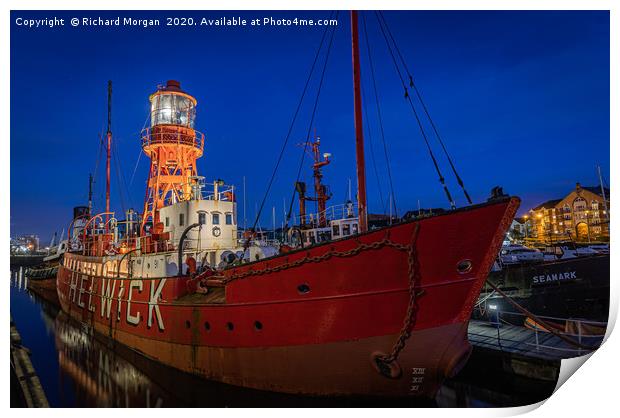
(380, 312)
(101, 378)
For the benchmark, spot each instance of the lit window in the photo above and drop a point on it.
(346, 229)
(335, 230)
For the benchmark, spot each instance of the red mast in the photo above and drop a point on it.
(359, 132)
(108, 154)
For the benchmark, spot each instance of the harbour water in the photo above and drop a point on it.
(80, 368)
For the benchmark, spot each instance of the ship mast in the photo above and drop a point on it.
(600, 179)
(359, 132)
(108, 153)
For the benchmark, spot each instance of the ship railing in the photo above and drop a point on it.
(261, 242)
(542, 336)
(169, 135)
(332, 213)
(224, 193)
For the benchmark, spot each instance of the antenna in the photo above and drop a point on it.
(245, 219)
(350, 190)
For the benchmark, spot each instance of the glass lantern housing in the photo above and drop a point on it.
(172, 109)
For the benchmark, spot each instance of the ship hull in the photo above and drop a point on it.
(311, 321)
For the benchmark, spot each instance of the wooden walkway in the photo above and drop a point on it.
(32, 394)
(523, 341)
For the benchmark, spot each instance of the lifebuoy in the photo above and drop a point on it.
(216, 231)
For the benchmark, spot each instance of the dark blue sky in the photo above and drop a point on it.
(520, 98)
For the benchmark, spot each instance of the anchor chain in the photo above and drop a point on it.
(316, 259)
(384, 362)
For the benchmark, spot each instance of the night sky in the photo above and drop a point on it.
(521, 100)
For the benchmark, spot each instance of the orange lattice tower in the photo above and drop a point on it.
(173, 145)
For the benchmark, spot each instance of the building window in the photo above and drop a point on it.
(216, 219)
(580, 204)
(167, 221)
(229, 219)
(181, 219)
(202, 218)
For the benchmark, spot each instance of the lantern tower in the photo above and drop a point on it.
(173, 146)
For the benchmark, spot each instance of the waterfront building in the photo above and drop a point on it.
(582, 215)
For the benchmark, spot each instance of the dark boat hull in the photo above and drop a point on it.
(42, 281)
(572, 288)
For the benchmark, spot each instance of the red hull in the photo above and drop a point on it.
(266, 334)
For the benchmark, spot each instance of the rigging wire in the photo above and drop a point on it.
(316, 103)
(374, 83)
(419, 96)
(305, 89)
(97, 164)
(415, 113)
(140, 151)
(118, 176)
(121, 175)
(372, 155)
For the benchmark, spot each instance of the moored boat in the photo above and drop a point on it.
(380, 312)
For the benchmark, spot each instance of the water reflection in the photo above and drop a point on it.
(79, 367)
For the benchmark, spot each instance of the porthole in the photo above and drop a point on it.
(230, 326)
(207, 326)
(258, 325)
(464, 266)
(188, 324)
(303, 288)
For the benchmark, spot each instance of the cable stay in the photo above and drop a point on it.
(415, 113)
(379, 117)
(316, 103)
(118, 180)
(133, 175)
(424, 107)
(372, 155)
(101, 145)
(122, 181)
(275, 169)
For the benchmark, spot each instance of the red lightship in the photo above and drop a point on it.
(379, 312)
